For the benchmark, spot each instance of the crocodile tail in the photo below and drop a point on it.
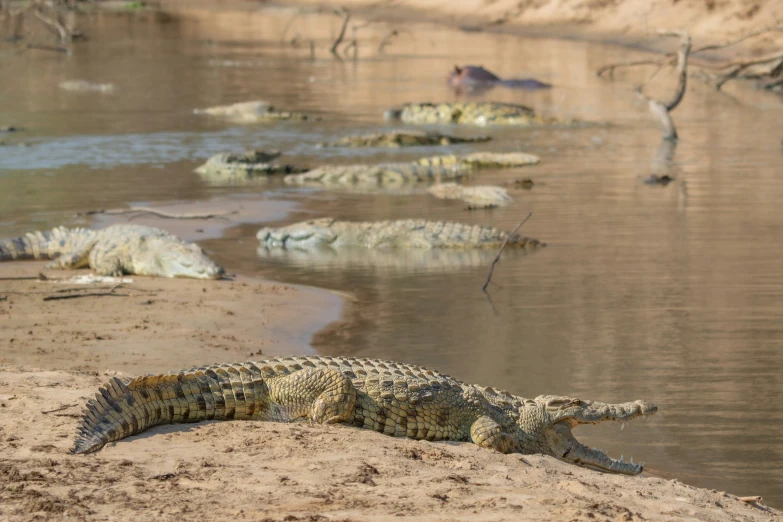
(35, 245)
(123, 408)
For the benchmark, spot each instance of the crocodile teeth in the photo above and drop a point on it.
(622, 426)
(621, 458)
(631, 460)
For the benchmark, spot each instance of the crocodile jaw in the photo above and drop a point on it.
(567, 413)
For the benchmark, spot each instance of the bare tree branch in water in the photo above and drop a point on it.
(497, 257)
(346, 18)
(386, 40)
(51, 14)
(661, 110)
(724, 71)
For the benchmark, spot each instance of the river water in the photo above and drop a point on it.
(673, 294)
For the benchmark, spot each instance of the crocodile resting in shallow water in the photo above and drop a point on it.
(254, 111)
(401, 138)
(400, 233)
(392, 398)
(229, 166)
(114, 251)
(469, 113)
(433, 168)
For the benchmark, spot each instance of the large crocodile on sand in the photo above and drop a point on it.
(469, 113)
(254, 111)
(400, 233)
(392, 398)
(433, 168)
(114, 251)
(401, 138)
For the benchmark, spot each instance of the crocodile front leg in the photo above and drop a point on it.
(487, 433)
(324, 395)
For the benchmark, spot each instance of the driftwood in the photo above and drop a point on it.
(721, 72)
(497, 257)
(661, 110)
(750, 499)
(61, 408)
(50, 13)
(156, 212)
(386, 40)
(346, 18)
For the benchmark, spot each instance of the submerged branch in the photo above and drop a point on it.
(497, 257)
(156, 212)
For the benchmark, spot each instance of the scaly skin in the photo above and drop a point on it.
(227, 166)
(114, 251)
(392, 398)
(401, 233)
(254, 111)
(467, 113)
(432, 168)
(401, 138)
(478, 196)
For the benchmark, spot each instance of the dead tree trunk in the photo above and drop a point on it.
(661, 110)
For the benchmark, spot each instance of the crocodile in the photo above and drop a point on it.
(395, 399)
(114, 251)
(406, 260)
(478, 195)
(85, 86)
(476, 78)
(228, 167)
(401, 138)
(432, 168)
(468, 113)
(401, 233)
(254, 111)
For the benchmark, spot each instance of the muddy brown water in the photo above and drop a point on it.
(669, 293)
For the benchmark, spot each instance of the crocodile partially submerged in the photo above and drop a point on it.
(406, 260)
(468, 113)
(229, 166)
(395, 399)
(477, 195)
(255, 111)
(401, 138)
(114, 251)
(401, 233)
(434, 168)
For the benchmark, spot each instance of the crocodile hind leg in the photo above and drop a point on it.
(77, 258)
(487, 433)
(324, 395)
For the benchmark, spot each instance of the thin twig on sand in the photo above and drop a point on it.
(110, 293)
(497, 257)
(660, 110)
(61, 408)
(156, 212)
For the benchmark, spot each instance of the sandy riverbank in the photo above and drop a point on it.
(267, 471)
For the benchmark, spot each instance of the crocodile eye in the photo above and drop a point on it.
(576, 402)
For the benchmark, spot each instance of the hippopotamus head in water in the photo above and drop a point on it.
(471, 76)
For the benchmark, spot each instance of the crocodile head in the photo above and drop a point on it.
(178, 260)
(306, 235)
(556, 416)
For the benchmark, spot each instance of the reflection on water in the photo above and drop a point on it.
(669, 293)
(384, 261)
